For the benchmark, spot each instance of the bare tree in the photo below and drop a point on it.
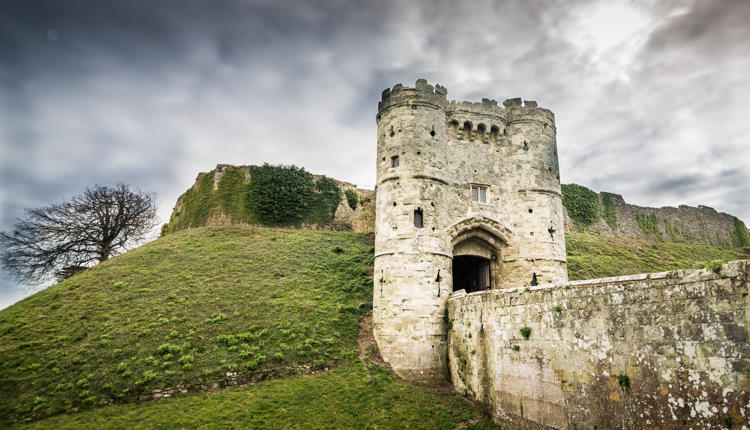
(63, 238)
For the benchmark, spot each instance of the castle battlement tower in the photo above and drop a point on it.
(468, 198)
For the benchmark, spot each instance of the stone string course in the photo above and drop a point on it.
(664, 350)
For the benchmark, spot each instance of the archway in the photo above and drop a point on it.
(477, 248)
(471, 273)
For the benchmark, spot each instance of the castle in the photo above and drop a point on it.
(470, 284)
(468, 198)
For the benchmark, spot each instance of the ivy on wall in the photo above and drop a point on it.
(324, 201)
(231, 191)
(609, 211)
(582, 204)
(648, 223)
(352, 198)
(272, 195)
(740, 235)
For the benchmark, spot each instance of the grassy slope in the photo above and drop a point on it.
(342, 398)
(238, 299)
(185, 310)
(595, 256)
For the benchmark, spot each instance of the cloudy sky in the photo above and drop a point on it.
(651, 97)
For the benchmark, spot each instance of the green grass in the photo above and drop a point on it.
(257, 303)
(342, 398)
(184, 311)
(595, 256)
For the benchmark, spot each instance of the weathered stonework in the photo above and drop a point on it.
(664, 350)
(684, 223)
(361, 219)
(430, 153)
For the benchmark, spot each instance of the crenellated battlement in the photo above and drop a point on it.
(511, 110)
(422, 93)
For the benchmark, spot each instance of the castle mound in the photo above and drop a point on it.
(196, 310)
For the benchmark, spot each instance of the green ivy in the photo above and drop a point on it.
(195, 204)
(231, 194)
(280, 195)
(352, 198)
(272, 195)
(740, 235)
(609, 211)
(324, 202)
(582, 204)
(648, 223)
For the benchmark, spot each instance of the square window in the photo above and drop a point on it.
(479, 194)
(394, 161)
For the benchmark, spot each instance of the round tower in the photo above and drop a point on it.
(412, 266)
(537, 253)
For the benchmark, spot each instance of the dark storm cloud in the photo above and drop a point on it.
(650, 97)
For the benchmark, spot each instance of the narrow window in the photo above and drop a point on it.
(418, 223)
(394, 161)
(479, 194)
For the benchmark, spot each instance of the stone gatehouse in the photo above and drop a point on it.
(470, 284)
(468, 197)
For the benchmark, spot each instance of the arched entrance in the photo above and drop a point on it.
(471, 273)
(477, 249)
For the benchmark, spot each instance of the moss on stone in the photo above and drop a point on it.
(648, 223)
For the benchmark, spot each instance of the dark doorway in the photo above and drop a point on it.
(471, 273)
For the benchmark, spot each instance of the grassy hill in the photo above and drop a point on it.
(596, 256)
(343, 398)
(199, 310)
(205, 308)
(185, 311)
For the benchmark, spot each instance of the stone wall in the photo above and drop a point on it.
(663, 350)
(700, 224)
(361, 219)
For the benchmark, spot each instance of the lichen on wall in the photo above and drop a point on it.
(666, 350)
